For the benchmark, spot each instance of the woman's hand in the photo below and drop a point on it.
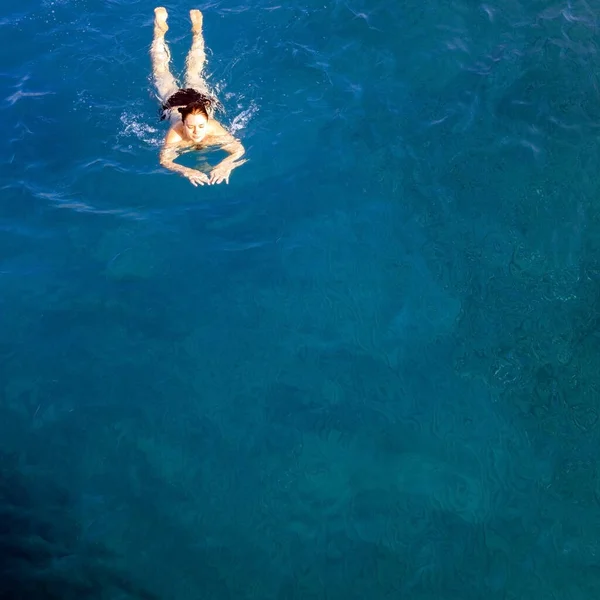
(197, 177)
(220, 174)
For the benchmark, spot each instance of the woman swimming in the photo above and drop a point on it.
(190, 109)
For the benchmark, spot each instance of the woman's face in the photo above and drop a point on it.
(195, 127)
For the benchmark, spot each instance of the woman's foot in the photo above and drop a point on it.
(160, 21)
(196, 17)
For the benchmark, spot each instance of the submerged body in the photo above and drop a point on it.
(190, 110)
(196, 131)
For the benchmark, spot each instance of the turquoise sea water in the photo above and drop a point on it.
(366, 368)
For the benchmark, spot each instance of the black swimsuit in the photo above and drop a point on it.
(186, 96)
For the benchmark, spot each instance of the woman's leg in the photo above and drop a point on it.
(159, 52)
(196, 57)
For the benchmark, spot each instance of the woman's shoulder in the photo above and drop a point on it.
(175, 134)
(215, 128)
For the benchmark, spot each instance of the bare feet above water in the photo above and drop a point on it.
(160, 20)
(196, 18)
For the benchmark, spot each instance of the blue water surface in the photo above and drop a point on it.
(366, 368)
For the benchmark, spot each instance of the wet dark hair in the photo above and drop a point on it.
(189, 100)
(194, 108)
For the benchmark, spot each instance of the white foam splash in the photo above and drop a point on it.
(135, 126)
(241, 120)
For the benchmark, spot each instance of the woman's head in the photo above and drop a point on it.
(195, 120)
(194, 108)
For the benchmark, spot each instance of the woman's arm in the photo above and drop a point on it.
(235, 149)
(168, 154)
